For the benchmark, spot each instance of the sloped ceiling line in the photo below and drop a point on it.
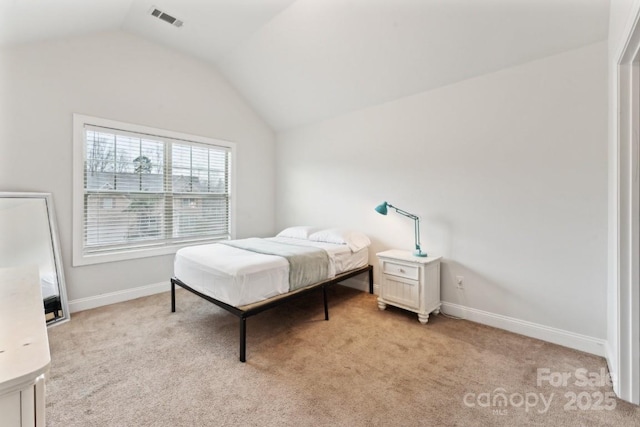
(298, 62)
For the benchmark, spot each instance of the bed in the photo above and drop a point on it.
(248, 276)
(50, 293)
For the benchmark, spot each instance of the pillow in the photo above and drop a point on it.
(354, 239)
(298, 232)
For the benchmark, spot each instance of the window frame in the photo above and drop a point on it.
(79, 123)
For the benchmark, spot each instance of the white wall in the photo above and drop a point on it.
(122, 77)
(508, 172)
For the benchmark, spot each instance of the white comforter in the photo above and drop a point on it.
(239, 277)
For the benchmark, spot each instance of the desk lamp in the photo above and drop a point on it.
(382, 209)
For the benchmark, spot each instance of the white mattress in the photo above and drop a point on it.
(238, 277)
(49, 284)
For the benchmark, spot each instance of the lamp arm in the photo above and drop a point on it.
(405, 213)
(416, 218)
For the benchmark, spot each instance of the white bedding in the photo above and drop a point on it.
(239, 277)
(49, 284)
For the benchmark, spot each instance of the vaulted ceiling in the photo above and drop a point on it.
(302, 61)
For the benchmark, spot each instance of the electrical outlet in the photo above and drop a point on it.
(460, 282)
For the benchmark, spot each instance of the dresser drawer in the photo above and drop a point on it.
(401, 270)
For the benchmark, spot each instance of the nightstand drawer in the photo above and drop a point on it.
(401, 270)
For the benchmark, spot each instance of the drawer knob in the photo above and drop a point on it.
(401, 270)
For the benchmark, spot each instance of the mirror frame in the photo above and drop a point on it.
(55, 245)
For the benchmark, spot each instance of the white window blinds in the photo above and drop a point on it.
(144, 191)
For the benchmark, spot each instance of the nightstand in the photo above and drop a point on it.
(410, 282)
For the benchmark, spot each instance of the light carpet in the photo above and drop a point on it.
(137, 364)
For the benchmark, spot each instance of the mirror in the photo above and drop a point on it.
(28, 237)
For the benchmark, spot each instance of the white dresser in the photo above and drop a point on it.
(409, 282)
(24, 348)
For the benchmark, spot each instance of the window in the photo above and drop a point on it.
(140, 191)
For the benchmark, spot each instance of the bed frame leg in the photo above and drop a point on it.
(370, 279)
(326, 306)
(173, 296)
(243, 339)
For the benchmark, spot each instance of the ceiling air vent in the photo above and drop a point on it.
(165, 17)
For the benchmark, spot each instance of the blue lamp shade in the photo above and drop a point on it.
(382, 208)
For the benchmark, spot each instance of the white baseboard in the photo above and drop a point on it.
(81, 304)
(357, 283)
(553, 335)
(580, 342)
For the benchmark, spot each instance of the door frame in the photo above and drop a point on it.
(626, 348)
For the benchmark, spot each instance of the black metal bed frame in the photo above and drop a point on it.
(249, 310)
